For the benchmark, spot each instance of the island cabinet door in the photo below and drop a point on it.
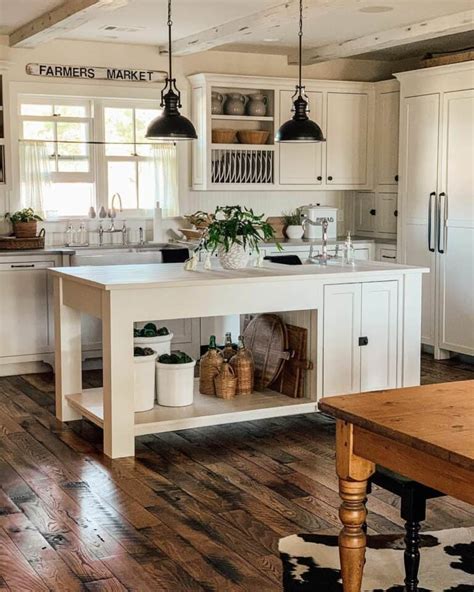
(379, 336)
(301, 164)
(341, 331)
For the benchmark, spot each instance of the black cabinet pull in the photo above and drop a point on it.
(396, 178)
(319, 178)
(388, 257)
(373, 212)
(363, 341)
(22, 266)
(395, 213)
(329, 178)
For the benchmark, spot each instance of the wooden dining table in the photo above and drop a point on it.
(424, 433)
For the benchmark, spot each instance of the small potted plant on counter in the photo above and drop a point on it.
(294, 228)
(233, 233)
(24, 222)
(144, 378)
(175, 379)
(151, 336)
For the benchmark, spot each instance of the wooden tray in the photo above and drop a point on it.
(12, 243)
(267, 338)
(291, 379)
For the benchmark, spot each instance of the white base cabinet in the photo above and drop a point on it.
(360, 337)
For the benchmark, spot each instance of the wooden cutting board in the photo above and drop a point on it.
(278, 225)
(291, 380)
(267, 338)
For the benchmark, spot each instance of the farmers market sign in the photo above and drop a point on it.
(95, 73)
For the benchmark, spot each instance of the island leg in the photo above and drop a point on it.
(117, 351)
(67, 356)
(353, 473)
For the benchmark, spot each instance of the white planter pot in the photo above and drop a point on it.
(294, 231)
(161, 343)
(144, 382)
(235, 258)
(175, 384)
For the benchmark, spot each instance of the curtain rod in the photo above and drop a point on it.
(96, 142)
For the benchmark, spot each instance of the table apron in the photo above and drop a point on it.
(423, 467)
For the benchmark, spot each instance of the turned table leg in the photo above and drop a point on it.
(353, 472)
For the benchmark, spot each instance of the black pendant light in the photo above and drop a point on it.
(171, 125)
(300, 128)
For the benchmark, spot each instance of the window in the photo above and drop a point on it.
(120, 159)
(129, 156)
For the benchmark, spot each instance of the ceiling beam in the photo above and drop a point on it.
(62, 19)
(268, 20)
(460, 22)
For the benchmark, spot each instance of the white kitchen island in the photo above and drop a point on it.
(363, 320)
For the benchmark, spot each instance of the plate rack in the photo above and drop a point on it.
(242, 165)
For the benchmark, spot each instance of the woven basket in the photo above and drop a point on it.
(209, 367)
(225, 382)
(252, 136)
(223, 136)
(25, 229)
(242, 364)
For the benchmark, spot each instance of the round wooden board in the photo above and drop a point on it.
(267, 338)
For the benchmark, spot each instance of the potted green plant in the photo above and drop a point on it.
(24, 222)
(293, 226)
(233, 233)
(144, 378)
(175, 379)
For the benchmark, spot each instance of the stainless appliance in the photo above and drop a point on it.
(315, 214)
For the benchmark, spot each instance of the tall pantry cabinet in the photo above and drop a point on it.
(436, 199)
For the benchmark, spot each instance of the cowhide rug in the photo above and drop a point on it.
(311, 562)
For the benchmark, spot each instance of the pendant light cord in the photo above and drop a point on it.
(300, 37)
(170, 25)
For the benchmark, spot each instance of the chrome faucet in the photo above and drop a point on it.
(112, 230)
(141, 240)
(324, 256)
(113, 201)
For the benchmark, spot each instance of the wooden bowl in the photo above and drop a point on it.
(253, 136)
(223, 136)
(192, 233)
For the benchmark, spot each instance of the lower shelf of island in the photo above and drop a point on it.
(205, 411)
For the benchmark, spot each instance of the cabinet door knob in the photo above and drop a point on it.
(319, 178)
(373, 212)
(395, 213)
(396, 178)
(329, 178)
(363, 341)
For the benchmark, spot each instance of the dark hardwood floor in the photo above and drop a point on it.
(195, 510)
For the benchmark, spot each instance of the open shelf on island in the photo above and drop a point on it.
(205, 411)
(242, 117)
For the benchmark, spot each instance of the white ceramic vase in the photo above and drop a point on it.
(295, 231)
(175, 384)
(237, 257)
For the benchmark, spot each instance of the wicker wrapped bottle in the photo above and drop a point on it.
(242, 364)
(225, 382)
(228, 350)
(209, 367)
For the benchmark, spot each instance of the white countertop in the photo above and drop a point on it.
(115, 277)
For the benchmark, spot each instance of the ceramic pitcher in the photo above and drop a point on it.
(217, 103)
(257, 105)
(235, 104)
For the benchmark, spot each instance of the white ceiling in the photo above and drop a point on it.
(192, 16)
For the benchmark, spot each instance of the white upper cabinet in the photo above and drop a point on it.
(347, 147)
(387, 100)
(344, 110)
(301, 164)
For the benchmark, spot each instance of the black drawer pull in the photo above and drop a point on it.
(373, 212)
(395, 213)
(387, 257)
(363, 341)
(329, 178)
(22, 266)
(319, 178)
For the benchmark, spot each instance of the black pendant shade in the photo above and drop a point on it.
(300, 128)
(170, 126)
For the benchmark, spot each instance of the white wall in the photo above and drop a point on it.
(108, 54)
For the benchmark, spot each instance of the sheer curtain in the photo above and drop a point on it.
(165, 165)
(35, 175)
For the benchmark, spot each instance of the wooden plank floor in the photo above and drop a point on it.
(195, 510)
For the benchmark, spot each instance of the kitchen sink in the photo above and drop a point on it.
(119, 255)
